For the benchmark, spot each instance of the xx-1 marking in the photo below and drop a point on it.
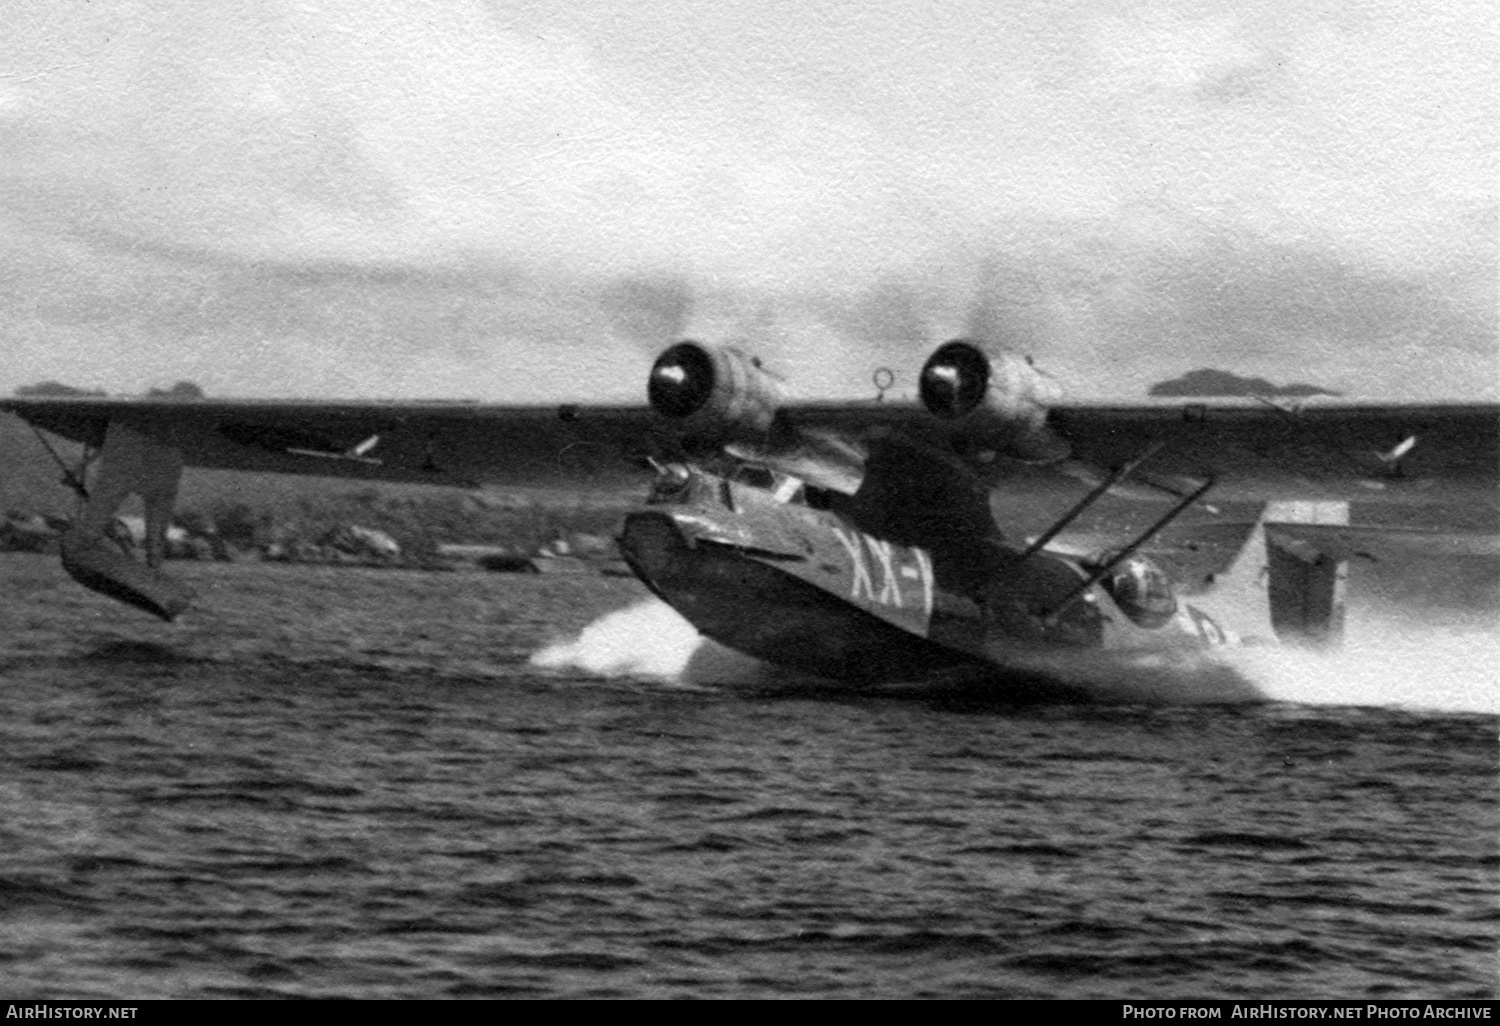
(893, 562)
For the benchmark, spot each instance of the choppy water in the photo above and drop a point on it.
(351, 782)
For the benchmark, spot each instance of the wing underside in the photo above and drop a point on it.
(462, 445)
(1382, 453)
(1395, 453)
(1375, 453)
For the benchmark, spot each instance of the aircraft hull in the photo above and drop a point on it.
(751, 605)
(748, 603)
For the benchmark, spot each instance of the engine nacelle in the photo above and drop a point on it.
(997, 400)
(718, 393)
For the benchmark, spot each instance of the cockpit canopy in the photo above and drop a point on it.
(1143, 591)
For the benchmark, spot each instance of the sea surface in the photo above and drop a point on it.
(385, 783)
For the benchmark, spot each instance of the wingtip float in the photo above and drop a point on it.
(130, 463)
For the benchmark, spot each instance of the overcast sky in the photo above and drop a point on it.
(510, 201)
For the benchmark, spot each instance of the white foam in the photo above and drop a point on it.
(1401, 663)
(1453, 667)
(650, 640)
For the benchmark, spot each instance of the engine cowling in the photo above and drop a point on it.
(718, 393)
(996, 400)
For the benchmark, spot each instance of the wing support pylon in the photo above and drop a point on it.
(71, 479)
(1106, 567)
(1115, 477)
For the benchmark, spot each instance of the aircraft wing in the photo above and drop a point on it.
(1408, 453)
(1423, 454)
(437, 443)
(1426, 454)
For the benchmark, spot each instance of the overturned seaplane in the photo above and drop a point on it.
(868, 541)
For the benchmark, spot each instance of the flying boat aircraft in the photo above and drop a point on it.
(869, 541)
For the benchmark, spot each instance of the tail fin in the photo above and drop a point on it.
(1283, 586)
(1306, 584)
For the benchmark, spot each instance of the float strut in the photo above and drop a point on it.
(74, 481)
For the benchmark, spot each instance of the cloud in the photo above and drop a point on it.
(420, 197)
(1161, 51)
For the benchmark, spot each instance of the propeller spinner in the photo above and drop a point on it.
(954, 379)
(682, 380)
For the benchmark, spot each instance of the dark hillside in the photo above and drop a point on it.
(1209, 382)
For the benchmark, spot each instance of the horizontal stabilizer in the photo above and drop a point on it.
(1342, 542)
